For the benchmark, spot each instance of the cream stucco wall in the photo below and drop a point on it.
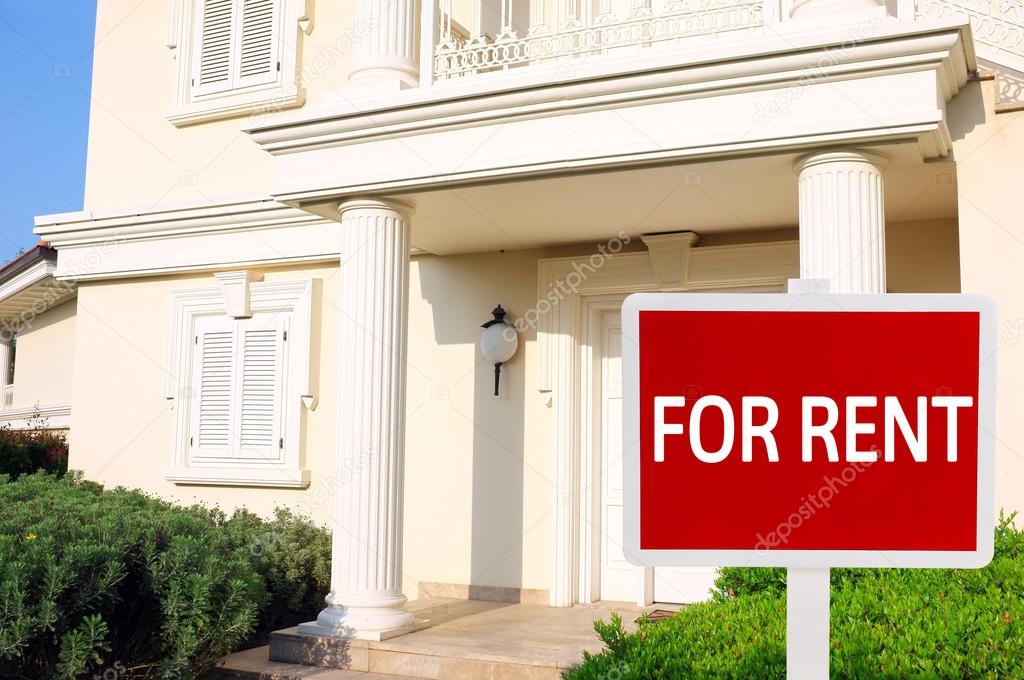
(136, 157)
(922, 257)
(44, 358)
(479, 468)
(121, 423)
(989, 153)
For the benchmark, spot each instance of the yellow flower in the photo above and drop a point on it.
(30, 537)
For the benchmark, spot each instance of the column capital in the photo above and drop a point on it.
(375, 204)
(841, 155)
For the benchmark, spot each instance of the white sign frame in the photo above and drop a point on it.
(839, 303)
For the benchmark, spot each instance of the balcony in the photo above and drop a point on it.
(464, 38)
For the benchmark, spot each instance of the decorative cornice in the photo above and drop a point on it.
(230, 235)
(72, 229)
(734, 97)
(776, 60)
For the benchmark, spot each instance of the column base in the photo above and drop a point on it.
(836, 11)
(362, 623)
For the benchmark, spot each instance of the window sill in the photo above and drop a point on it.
(239, 476)
(262, 102)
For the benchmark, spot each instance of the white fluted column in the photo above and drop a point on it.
(385, 41)
(366, 599)
(842, 220)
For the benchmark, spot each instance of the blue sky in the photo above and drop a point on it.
(46, 52)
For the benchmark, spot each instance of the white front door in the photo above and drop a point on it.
(619, 579)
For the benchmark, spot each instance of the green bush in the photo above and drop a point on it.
(26, 451)
(886, 623)
(93, 580)
(294, 559)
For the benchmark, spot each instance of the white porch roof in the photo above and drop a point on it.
(27, 284)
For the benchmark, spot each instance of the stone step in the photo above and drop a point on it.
(478, 663)
(254, 664)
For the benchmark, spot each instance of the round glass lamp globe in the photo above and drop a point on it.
(499, 343)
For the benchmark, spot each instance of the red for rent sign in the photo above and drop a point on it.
(809, 430)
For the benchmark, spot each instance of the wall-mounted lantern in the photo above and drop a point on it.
(498, 342)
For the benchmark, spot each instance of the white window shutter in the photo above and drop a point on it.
(260, 411)
(214, 46)
(213, 380)
(258, 54)
(239, 378)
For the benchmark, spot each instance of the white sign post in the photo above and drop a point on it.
(808, 590)
(807, 623)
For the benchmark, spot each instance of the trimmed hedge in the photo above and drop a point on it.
(94, 581)
(26, 451)
(886, 623)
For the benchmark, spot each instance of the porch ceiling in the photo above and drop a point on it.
(731, 195)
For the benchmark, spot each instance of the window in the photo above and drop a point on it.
(240, 386)
(237, 390)
(235, 56)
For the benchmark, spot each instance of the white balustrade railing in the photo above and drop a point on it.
(457, 53)
(525, 32)
(995, 24)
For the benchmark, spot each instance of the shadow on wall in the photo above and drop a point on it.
(461, 292)
(923, 256)
(966, 111)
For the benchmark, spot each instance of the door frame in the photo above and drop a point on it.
(571, 290)
(592, 351)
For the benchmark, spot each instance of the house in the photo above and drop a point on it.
(298, 214)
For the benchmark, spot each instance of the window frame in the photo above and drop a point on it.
(191, 105)
(193, 308)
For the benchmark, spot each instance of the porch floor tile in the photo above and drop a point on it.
(517, 633)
